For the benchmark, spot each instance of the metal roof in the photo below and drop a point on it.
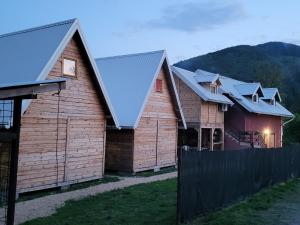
(206, 77)
(191, 79)
(271, 93)
(31, 88)
(129, 80)
(29, 55)
(230, 85)
(249, 89)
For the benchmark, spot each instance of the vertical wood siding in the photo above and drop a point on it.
(155, 140)
(80, 146)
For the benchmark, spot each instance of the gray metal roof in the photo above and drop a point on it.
(206, 77)
(128, 80)
(29, 55)
(191, 79)
(249, 89)
(24, 54)
(230, 85)
(271, 93)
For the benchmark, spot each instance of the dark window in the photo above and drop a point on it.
(213, 89)
(158, 85)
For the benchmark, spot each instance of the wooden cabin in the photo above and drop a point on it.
(256, 120)
(62, 137)
(143, 96)
(203, 107)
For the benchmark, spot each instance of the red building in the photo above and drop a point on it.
(256, 119)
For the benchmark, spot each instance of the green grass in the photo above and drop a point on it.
(73, 187)
(254, 210)
(155, 204)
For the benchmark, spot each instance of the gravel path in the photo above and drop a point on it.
(45, 206)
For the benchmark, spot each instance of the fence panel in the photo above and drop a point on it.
(209, 180)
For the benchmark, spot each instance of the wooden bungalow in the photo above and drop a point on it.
(62, 137)
(203, 107)
(257, 117)
(143, 96)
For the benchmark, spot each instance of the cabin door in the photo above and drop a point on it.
(270, 140)
(84, 149)
(166, 142)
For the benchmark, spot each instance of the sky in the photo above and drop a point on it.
(185, 28)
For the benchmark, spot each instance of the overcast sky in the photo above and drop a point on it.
(184, 28)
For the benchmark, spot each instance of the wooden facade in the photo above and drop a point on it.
(153, 144)
(62, 137)
(205, 121)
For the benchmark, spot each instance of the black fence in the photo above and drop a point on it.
(208, 181)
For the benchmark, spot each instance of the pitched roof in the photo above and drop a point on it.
(249, 89)
(191, 79)
(29, 55)
(206, 77)
(128, 80)
(232, 87)
(271, 93)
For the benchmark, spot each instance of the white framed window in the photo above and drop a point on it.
(255, 98)
(69, 67)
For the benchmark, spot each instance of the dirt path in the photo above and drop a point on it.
(285, 211)
(45, 206)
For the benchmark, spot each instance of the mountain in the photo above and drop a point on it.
(274, 64)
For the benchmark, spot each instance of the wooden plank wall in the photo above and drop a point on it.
(198, 113)
(190, 101)
(155, 139)
(80, 146)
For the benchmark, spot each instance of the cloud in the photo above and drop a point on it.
(195, 16)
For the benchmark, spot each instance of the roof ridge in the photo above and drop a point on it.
(38, 28)
(129, 55)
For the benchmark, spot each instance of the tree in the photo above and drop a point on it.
(291, 132)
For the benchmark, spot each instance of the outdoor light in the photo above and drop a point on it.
(266, 131)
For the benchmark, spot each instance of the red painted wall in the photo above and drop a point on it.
(239, 119)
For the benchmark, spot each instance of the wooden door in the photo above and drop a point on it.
(85, 149)
(166, 142)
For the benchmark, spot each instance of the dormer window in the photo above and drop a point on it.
(213, 89)
(273, 101)
(255, 98)
(69, 67)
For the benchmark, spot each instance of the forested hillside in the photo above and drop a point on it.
(274, 64)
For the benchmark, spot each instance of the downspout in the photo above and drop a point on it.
(282, 125)
(290, 120)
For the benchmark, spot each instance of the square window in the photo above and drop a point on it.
(158, 85)
(69, 67)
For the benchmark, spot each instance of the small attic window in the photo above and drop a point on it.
(213, 89)
(255, 98)
(158, 85)
(69, 67)
(273, 101)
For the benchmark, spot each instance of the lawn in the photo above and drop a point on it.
(155, 203)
